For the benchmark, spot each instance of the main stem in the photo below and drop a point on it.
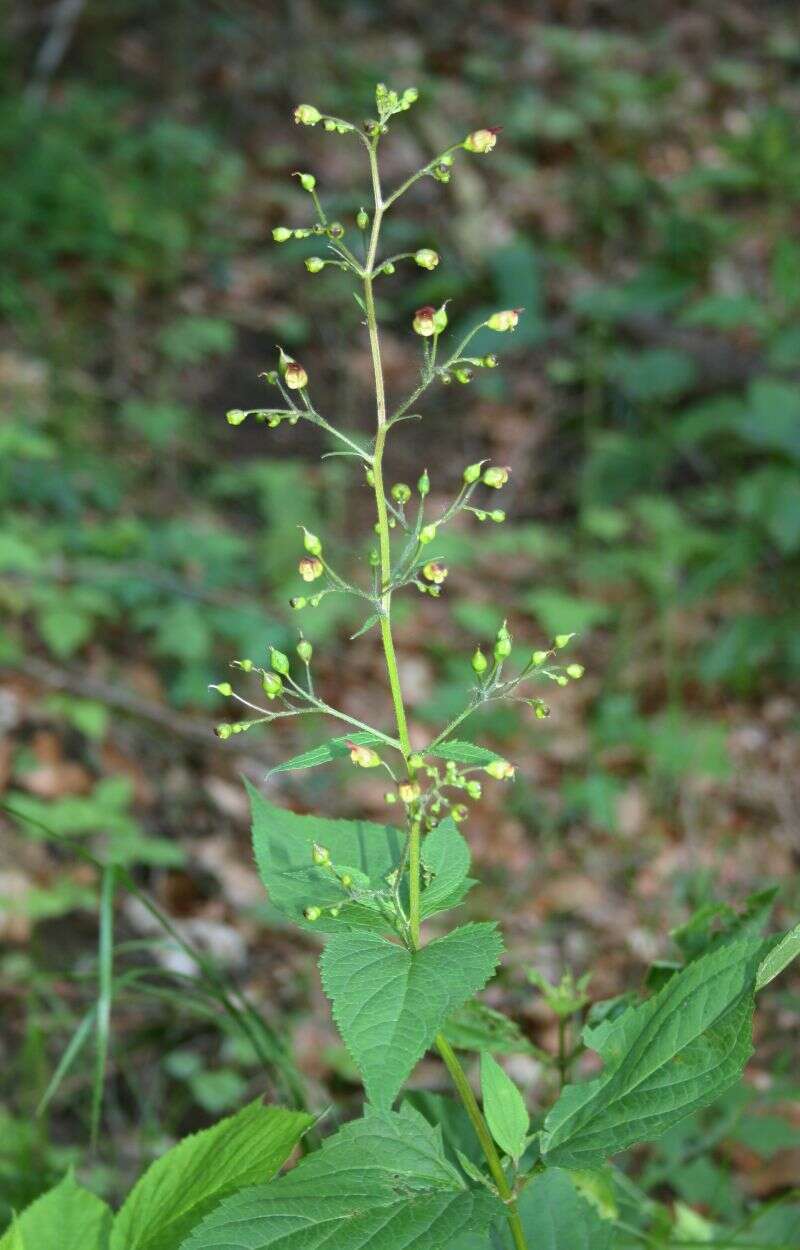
(446, 1051)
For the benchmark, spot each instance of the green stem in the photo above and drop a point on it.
(459, 1079)
(414, 834)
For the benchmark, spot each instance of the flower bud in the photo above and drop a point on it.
(320, 855)
(410, 96)
(540, 708)
(295, 376)
(538, 657)
(346, 880)
(280, 234)
(490, 361)
(472, 472)
(312, 913)
(479, 661)
(390, 797)
(481, 141)
(408, 791)
(363, 757)
(495, 476)
(435, 572)
(310, 568)
(441, 172)
(424, 483)
(501, 770)
(297, 602)
(224, 688)
(271, 684)
(426, 258)
(401, 492)
(459, 812)
(498, 516)
(278, 661)
(311, 543)
(575, 671)
(335, 230)
(370, 476)
(307, 115)
(388, 268)
(245, 665)
(314, 264)
(307, 181)
(427, 534)
(223, 731)
(474, 789)
(305, 650)
(562, 640)
(235, 416)
(508, 319)
(362, 219)
(463, 375)
(423, 322)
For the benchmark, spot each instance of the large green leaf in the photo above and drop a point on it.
(381, 1183)
(556, 1217)
(185, 1185)
(466, 753)
(283, 843)
(665, 1058)
(446, 858)
(67, 1217)
(390, 1002)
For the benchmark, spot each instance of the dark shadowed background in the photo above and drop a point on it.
(642, 205)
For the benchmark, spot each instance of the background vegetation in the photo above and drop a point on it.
(643, 207)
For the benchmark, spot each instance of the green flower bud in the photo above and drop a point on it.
(501, 770)
(330, 124)
(410, 96)
(281, 233)
(415, 761)
(307, 181)
(390, 797)
(388, 268)
(272, 685)
(362, 219)
(473, 472)
(305, 650)
(508, 319)
(235, 416)
(540, 708)
(297, 602)
(495, 476)
(474, 789)
(224, 688)
(463, 375)
(490, 361)
(561, 680)
(538, 657)
(307, 115)
(335, 230)
(223, 731)
(314, 264)
(502, 649)
(400, 492)
(459, 812)
(435, 572)
(279, 661)
(310, 568)
(562, 640)
(479, 661)
(320, 855)
(426, 258)
(245, 665)
(370, 476)
(311, 543)
(575, 671)
(363, 757)
(481, 141)
(346, 880)
(498, 515)
(424, 484)
(312, 913)
(427, 534)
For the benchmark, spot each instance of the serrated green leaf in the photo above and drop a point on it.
(389, 1002)
(334, 748)
(283, 841)
(785, 949)
(556, 1217)
(188, 1182)
(445, 855)
(67, 1217)
(466, 753)
(671, 1055)
(504, 1108)
(381, 1183)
